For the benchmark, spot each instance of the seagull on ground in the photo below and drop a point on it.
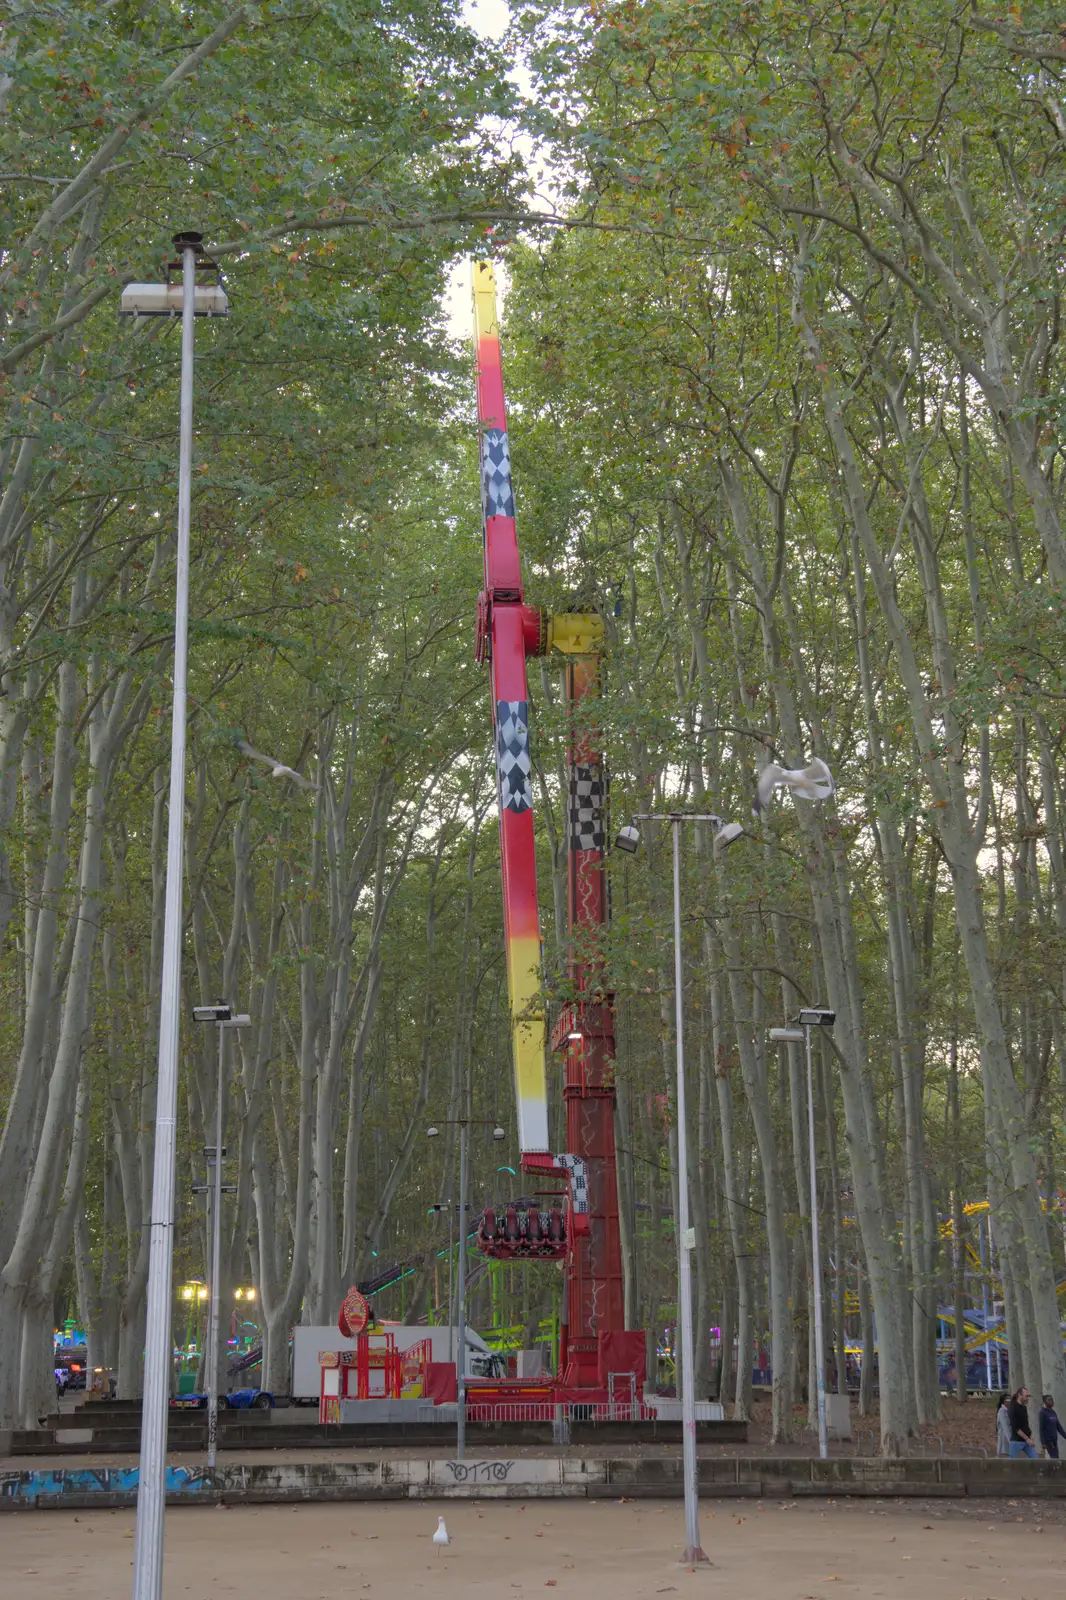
(441, 1536)
(278, 769)
(807, 783)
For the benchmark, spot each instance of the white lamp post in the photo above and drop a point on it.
(629, 840)
(151, 1484)
(813, 1017)
(460, 1377)
(221, 1014)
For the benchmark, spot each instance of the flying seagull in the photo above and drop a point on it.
(278, 769)
(441, 1538)
(807, 783)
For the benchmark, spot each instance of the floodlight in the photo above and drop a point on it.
(575, 1036)
(221, 1011)
(816, 1017)
(167, 299)
(628, 838)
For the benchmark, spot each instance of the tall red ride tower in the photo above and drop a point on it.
(596, 1348)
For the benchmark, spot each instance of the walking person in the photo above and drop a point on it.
(1050, 1427)
(1003, 1426)
(1021, 1440)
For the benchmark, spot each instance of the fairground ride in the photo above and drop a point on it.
(599, 1358)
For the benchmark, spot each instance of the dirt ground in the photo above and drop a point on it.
(588, 1550)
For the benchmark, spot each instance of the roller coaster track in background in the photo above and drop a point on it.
(387, 1278)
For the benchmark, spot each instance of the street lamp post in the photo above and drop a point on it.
(221, 1014)
(629, 840)
(460, 1324)
(813, 1017)
(147, 300)
(460, 1330)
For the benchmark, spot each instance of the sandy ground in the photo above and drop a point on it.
(609, 1550)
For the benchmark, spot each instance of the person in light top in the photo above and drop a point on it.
(1003, 1426)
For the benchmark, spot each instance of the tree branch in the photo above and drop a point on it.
(45, 335)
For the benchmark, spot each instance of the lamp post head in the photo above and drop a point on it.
(816, 1017)
(786, 1035)
(628, 838)
(499, 1133)
(431, 1133)
(221, 1011)
(168, 299)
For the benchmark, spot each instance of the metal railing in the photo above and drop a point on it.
(547, 1411)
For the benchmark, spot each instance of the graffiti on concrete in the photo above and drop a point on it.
(21, 1486)
(479, 1471)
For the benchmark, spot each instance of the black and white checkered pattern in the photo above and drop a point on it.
(513, 765)
(497, 496)
(579, 1180)
(586, 808)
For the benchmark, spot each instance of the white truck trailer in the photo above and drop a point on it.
(307, 1341)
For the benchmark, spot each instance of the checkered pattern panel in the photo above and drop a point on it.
(512, 755)
(586, 808)
(579, 1180)
(497, 495)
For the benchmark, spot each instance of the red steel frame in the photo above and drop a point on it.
(595, 1344)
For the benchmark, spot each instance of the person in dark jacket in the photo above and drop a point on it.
(1021, 1440)
(1050, 1427)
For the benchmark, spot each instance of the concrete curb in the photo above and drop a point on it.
(105, 1488)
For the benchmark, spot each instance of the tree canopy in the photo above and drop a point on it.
(787, 388)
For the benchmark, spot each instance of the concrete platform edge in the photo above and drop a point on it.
(259, 1483)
